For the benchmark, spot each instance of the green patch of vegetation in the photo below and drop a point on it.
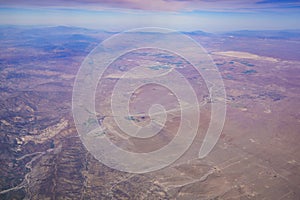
(219, 64)
(247, 64)
(162, 55)
(229, 76)
(99, 134)
(90, 122)
(131, 118)
(251, 71)
(158, 67)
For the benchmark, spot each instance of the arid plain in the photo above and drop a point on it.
(42, 157)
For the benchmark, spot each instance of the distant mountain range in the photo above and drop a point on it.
(270, 34)
(37, 30)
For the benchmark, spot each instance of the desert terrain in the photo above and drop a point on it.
(43, 157)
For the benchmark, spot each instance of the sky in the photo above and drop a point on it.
(182, 15)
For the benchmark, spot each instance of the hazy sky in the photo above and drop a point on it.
(186, 15)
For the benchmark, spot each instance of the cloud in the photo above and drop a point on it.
(159, 5)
